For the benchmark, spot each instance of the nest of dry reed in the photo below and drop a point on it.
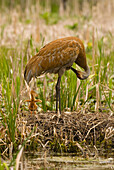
(70, 132)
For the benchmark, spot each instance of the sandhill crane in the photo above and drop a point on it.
(56, 57)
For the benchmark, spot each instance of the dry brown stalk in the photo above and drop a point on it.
(19, 156)
(96, 151)
(106, 87)
(93, 51)
(10, 150)
(93, 128)
(79, 146)
(109, 132)
(97, 98)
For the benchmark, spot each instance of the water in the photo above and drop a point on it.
(66, 162)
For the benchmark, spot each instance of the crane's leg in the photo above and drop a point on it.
(58, 95)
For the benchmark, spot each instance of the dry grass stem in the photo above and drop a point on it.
(19, 157)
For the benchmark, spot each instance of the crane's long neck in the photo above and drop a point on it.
(81, 61)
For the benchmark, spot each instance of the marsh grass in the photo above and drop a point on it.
(50, 18)
(96, 94)
(12, 79)
(10, 91)
(3, 165)
(100, 86)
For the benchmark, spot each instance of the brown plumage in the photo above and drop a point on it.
(56, 57)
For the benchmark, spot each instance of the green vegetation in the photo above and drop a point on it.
(3, 166)
(94, 95)
(50, 18)
(72, 27)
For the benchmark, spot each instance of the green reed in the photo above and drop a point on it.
(3, 165)
(10, 82)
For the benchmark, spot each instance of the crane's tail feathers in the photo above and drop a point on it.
(82, 75)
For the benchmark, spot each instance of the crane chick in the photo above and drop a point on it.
(32, 105)
(57, 57)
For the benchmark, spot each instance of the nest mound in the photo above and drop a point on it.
(69, 132)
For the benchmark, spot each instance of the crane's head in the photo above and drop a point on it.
(83, 75)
